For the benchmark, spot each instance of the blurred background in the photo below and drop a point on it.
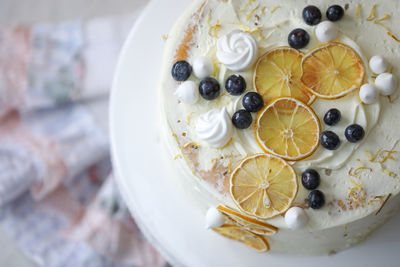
(59, 204)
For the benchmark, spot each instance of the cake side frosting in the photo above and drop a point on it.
(353, 181)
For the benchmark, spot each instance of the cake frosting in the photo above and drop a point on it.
(187, 92)
(357, 179)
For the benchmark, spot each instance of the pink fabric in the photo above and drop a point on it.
(56, 189)
(14, 57)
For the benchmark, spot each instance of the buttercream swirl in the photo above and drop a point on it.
(237, 50)
(215, 127)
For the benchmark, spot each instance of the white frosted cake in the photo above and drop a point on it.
(282, 119)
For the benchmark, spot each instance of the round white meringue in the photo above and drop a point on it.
(237, 50)
(187, 92)
(368, 93)
(386, 83)
(378, 64)
(214, 218)
(215, 127)
(203, 67)
(296, 218)
(326, 31)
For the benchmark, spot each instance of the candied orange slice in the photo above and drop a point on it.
(288, 128)
(253, 225)
(332, 70)
(278, 74)
(263, 186)
(248, 238)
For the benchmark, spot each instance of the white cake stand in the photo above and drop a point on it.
(163, 211)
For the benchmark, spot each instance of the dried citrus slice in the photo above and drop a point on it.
(278, 74)
(288, 128)
(251, 224)
(263, 185)
(332, 70)
(242, 235)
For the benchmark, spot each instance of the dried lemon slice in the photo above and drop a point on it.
(253, 225)
(237, 233)
(288, 128)
(263, 185)
(278, 74)
(332, 70)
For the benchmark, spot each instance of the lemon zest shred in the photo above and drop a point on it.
(189, 117)
(385, 17)
(393, 36)
(341, 205)
(263, 10)
(216, 68)
(176, 137)
(374, 200)
(177, 156)
(372, 14)
(261, 35)
(221, 97)
(388, 155)
(208, 18)
(165, 37)
(214, 28)
(358, 12)
(372, 158)
(357, 185)
(387, 172)
(382, 25)
(191, 144)
(356, 171)
(248, 16)
(274, 9)
(247, 4)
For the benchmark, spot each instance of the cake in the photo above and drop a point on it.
(280, 119)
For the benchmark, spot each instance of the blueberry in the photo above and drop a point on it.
(330, 140)
(354, 133)
(332, 116)
(316, 199)
(209, 88)
(335, 13)
(181, 71)
(298, 38)
(310, 179)
(242, 119)
(312, 15)
(252, 102)
(235, 84)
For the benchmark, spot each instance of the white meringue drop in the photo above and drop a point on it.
(215, 127)
(237, 50)
(386, 83)
(214, 218)
(378, 64)
(368, 93)
(296, 218)
(326, 31)
(203, 67)
(187, 92)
